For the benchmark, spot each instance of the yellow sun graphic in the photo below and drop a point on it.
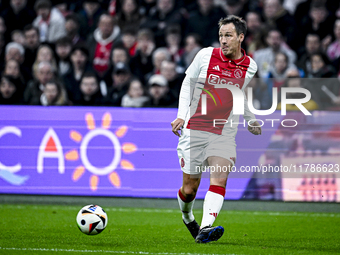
(74, 155)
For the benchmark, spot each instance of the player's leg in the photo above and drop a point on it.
(191, 155)
(214, 199)
(187, 194)
(186, 198)
(215, 196)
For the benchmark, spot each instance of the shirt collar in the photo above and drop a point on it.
(237, 61)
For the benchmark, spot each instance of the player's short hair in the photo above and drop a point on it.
(239, 23)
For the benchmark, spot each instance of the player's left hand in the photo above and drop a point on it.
(176, 125)
(255, 128)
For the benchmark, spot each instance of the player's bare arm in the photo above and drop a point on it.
(177, 124)
(255, 128)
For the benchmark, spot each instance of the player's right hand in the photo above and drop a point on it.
(177, 124)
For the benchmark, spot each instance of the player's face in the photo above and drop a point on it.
(229, 40)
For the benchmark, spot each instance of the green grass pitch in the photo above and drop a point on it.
(44, 229)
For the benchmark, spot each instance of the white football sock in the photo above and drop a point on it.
(212, 205)
(186, 208)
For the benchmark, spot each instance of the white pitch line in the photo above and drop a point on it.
(103, 251)
(298, 214)
(150, 210)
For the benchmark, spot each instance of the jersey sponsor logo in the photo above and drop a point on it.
(226, 73)
(238, 73)
(182, 162)
(214, 214)
(214, 79)
(216, 68)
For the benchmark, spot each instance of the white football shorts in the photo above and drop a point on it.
(195, 146)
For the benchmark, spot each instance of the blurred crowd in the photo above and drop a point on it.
(133, 53)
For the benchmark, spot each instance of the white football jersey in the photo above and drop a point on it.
(207, 94)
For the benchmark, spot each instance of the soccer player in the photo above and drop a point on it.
(214, 73)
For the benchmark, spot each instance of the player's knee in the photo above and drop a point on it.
(189, 191)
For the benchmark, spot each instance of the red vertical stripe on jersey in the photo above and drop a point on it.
(220, 71)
